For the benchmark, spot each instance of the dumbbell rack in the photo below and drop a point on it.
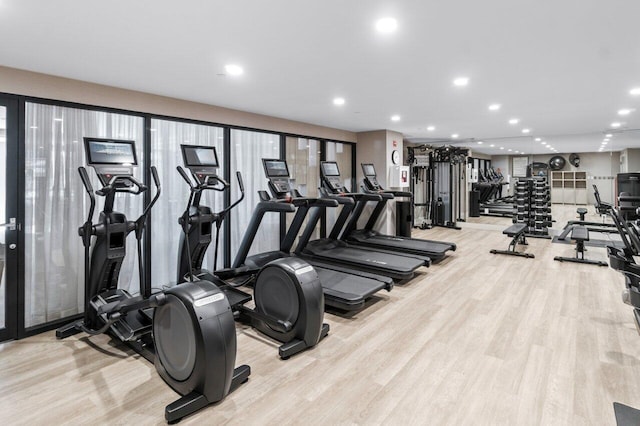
(533, 206)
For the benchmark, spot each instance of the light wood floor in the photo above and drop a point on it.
(477, 339)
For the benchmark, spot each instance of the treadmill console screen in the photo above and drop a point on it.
(199, 156)
(110, 152)
(275, 168)
(330, 168)
(368, 170)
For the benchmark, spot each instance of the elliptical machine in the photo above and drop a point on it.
(188, 331)
(288, 295)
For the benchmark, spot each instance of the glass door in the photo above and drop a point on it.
(9, 226)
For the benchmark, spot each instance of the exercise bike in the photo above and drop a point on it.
(187, 331)
(288, 296)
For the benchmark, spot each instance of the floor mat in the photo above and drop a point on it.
(625, 415)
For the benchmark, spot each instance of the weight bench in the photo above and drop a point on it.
(516, 232)
(581, 212)
(580, 234)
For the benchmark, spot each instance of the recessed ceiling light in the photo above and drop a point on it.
(33, 127)
(494, 107)
(386, 25)
(635, 91)
(492, 145)
(615, 125)
(606, 139)
(526, 130)
(537, 139)
(338, 101)
(625, 111)
(395, 118)
(461, 81)
(233, 69)
(608, 135)
(479, 142)
(604, 142)
(502, 147)
(514, 121)
(454, 136)
(509, 150)
(431, 128)
(152, 130)
(543, 143)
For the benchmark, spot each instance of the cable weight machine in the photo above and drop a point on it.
(438, 174)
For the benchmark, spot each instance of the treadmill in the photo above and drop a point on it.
(344, 288)
(335, 251)
(368, 237)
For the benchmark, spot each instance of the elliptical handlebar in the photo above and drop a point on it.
(137, 188)
(156, 182)
(240, 182)
(241, 187)
(89, 188)
(185, 176)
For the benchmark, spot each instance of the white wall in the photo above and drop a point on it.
(601, 169)
(630, 160)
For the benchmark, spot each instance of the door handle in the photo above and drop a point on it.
(11, 225)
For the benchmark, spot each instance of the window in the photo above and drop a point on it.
(166, 155)
(56, 205)
(247, 151)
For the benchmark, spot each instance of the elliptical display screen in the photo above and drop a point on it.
(275, 168)
(330, 168)
(368, 170)
(199, 156)
(109, 151)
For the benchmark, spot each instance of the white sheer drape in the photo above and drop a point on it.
(303, 159)
(166, 138)
(247, 151)
(342, 154)
(56, 205)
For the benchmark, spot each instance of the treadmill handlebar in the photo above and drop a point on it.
(365, 196)
(314, 202)
(388, 194)
(340, 199)
(399, 193)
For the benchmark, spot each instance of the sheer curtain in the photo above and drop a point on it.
(247, 151)
(56, 205)
(303, 158)
(342, 154)
(166, 155)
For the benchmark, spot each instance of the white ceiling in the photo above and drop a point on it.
(561, 67)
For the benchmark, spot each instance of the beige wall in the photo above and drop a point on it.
(372, 149)
(376, 147)
(28, 83)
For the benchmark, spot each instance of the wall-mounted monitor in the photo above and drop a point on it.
(199, 156)
(110, 152)
(275, 168)
(330, 168)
